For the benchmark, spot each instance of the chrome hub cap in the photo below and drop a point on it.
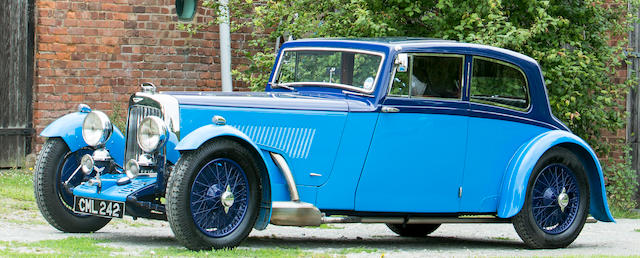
(227, 199)
(563, 199)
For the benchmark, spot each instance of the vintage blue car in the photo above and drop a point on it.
(408, 132)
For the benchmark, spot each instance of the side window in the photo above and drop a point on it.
(497, 83)
(430, 76)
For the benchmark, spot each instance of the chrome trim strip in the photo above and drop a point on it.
(333, 85)
(286, 172)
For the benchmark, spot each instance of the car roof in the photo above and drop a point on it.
(416, 43)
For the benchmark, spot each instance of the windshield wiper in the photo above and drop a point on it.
(280, 85)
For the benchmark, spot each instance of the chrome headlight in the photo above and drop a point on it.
(152, 133)
(96, 128)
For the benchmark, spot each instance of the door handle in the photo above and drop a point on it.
(388, 109)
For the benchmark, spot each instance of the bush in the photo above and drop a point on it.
(621, 181)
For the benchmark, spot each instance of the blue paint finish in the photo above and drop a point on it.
(338, 193)
(279, 190)
(172, 153)
(110, 190)
(415, 164)
(69, 128)
(491, 143)
(197, 137)
(514, 185)
(308, 193)
(285, 100)
(308, 140)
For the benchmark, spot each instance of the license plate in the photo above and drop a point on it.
(102, 208)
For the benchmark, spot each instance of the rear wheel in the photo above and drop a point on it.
(413, 230)
(557, 201)
(55, 166)
(213, 196)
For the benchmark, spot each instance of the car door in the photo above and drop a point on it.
(498, 125)
(416, 157)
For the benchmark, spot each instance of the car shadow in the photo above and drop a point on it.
(384, 242)
(320, 244)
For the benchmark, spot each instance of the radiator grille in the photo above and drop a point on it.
(136, 114)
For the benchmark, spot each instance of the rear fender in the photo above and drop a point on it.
(516, 179)
(69, 128)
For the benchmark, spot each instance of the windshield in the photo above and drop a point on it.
(333, 68)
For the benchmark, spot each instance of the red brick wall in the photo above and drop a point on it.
(98, 52)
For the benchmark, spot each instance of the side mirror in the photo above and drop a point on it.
(186, 9)
(402, 60)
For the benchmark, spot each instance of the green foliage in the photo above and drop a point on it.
(569, 39)
(622, 184)
(68, 247)
(118, 117)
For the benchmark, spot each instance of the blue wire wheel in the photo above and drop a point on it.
(219, 197)
(555, 199)
(69, 165)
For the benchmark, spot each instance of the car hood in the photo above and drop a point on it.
(272, 100)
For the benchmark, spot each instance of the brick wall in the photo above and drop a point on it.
(98, 52)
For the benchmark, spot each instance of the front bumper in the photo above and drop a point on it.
(138, 196)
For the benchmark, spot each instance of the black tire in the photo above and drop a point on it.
(413, 230)
(524, 222)
(179, 193)
(48, 196)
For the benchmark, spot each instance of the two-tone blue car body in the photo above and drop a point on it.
(409, 132)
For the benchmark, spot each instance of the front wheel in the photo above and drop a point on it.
(55, 166)
(557, 201)
(213, 196)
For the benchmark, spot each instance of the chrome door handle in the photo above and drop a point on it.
(387, 109)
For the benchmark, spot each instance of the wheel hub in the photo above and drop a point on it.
(563, 199)
(227, 199)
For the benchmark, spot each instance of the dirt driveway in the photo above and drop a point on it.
(621, 238)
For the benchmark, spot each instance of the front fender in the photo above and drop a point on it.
(275, 188)
(69, 128)
(517, 175)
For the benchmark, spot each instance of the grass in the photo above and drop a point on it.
(68, 247)
(356, 250)
(502, 238)
(238, 252)
(17, 185)
(17, 202)
(637, 230)
(326, 226)
(618, 214)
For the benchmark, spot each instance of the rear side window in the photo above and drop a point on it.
(430, 76)
(500, 84)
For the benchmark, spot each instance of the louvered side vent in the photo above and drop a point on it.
(136, 114)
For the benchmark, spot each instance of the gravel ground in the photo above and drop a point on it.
(619, 238)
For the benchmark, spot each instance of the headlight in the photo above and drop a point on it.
(96, 128)
(152, 133)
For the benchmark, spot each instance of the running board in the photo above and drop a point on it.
(295, 214)
(306, 214)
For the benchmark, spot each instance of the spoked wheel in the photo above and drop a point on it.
(213, 196)
(219, 197)
(413, 230)
(55, 167)
(557, 201)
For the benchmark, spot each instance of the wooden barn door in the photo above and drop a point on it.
(16, 80)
